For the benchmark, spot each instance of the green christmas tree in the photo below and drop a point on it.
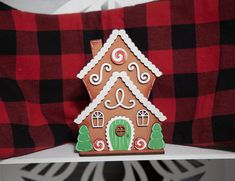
(156, 138)
(83, 140)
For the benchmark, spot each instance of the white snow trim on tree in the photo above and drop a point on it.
(107, 45)
(112, 80)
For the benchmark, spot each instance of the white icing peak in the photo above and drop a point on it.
(107, 45)
(112, 80)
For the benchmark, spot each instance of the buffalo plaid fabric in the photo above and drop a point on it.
(191, 41)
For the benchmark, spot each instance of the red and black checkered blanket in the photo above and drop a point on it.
(191, 41)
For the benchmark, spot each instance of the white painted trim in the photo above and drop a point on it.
(120, 101)
(138, 116)
(112, 80)
(96, 79)
(107, 45)
(92, 119)
(144, 77)
(107, 131)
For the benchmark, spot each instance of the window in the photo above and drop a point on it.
(142, 118)
(97, 119)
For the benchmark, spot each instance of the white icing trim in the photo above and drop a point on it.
(140, 115)
(144, 77)
(123, 75)
(95, 117)
(107, 131)
(107, 45)
(96, 79)
(119, 102)
(119, 57)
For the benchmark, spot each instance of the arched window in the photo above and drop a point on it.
(142, 118)
(97, 119)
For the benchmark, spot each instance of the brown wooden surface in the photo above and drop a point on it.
(132, 152)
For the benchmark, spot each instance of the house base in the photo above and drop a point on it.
(121, 152)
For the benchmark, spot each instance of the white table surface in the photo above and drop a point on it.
(65, 153)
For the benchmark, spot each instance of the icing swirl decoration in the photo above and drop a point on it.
(119, 56)
(144, 77)
(99, 144)
(120, 100)
(140, 143)
(96, 79)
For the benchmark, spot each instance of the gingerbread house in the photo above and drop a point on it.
(120, 119)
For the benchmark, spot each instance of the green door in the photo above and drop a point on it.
(120, 134)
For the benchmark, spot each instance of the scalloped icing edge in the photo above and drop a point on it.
(122, 33)
(112, 80)
(107, 133)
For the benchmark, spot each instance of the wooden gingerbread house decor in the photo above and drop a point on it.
(119, 119)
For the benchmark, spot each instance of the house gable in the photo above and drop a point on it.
(104, 97)
(120, 101)
(97, 72)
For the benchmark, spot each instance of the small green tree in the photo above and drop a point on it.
(156, 138)
(83, 140)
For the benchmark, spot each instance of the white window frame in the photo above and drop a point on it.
(96, 117)
(141, 117)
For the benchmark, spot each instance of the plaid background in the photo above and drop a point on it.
(191, 41)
